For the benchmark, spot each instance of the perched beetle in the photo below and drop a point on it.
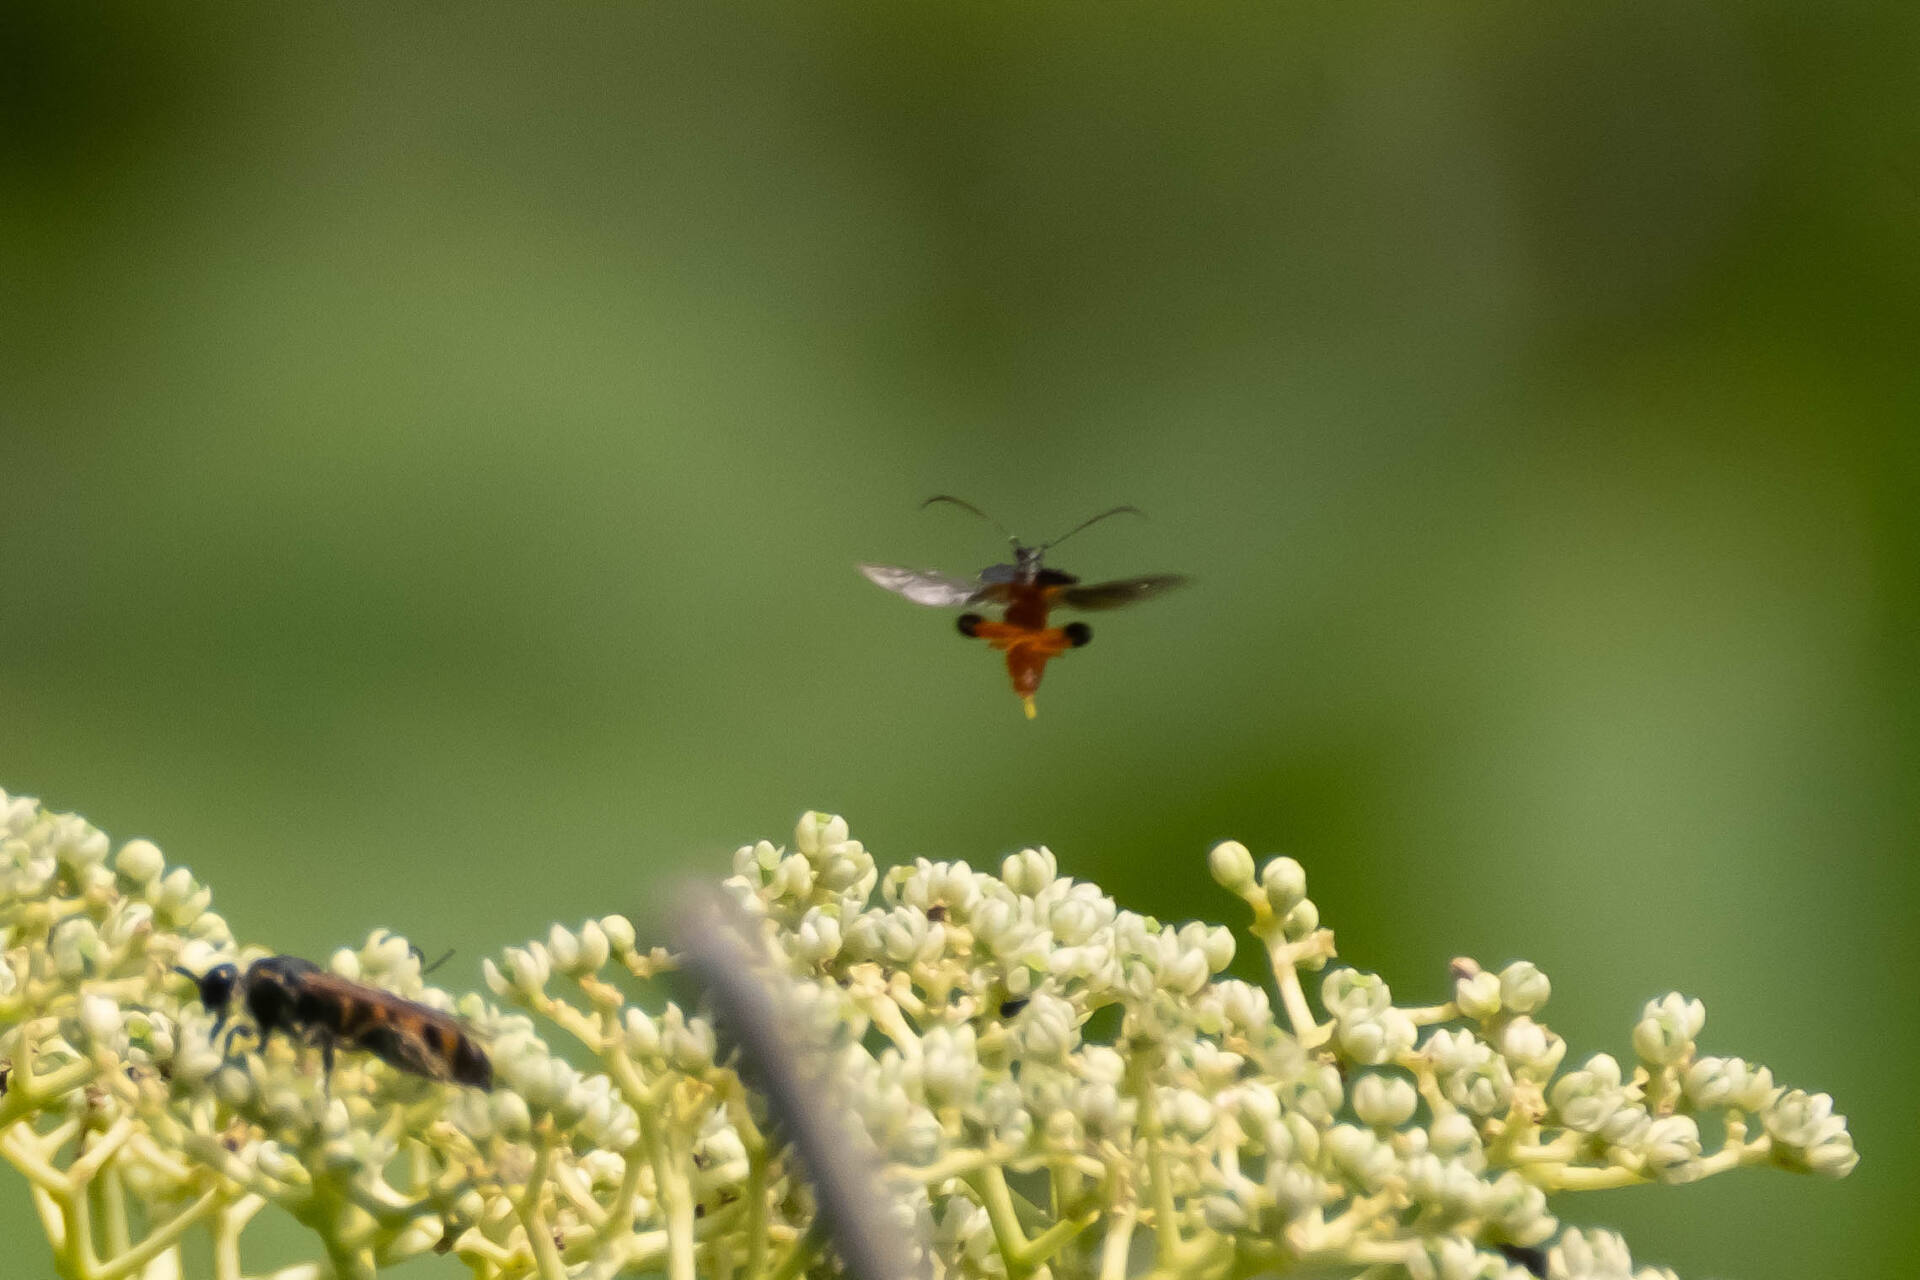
(307, 1003)
(1030, 591)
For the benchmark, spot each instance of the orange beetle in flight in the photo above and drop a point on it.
(1029, 591)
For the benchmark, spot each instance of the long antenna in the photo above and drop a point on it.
(964, 505)
(1093, 520)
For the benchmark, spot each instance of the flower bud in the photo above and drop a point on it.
(1373, 1039)
(1300, 922)
(528, 969)
(619, 931)
(1712, 1083)
(1284, 881)
(1231, 866)
(1589, 1255)
(139, 861)
(564, 949)
(817, 937)
(1360, 1157)
(1672, 1148)
(1351, 992)
(1666, 1030)
(100, 1021)
(1454, 1135)
(1477, 995)
(1807, 1133)
(1029, 871)
(1587, 1098)
(1523, 988)
(792, 879)
(1384, 1101)
(818, 832)
(1533, 1051)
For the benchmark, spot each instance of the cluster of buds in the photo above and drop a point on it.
(1049, 1085)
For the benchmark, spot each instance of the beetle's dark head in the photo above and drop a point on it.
(216, 986)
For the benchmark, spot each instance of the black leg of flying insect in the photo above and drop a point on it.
(1078, 633)
(1115, 511)
(426, 968)
(326, 1064)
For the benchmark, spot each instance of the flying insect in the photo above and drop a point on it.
(1029, 590)
(308, 1004)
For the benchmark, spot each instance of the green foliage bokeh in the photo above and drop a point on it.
(435, 446)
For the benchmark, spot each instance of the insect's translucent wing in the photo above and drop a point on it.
(1121, 591)
(942, 591)
(401, 1047)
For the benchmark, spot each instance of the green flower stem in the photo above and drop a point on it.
(756, 1200)
(1577, 1177)
(532, 1211)
(228, 1222)
(28, 1093)
(615, 1216)
(1428, 1015)
(1285, 959)
(990, 1184)
(1166, 1223)
(99, 1151)
(1736, 1153)
(158, 1240)
(110, 1208)
(1053, 1240)
(1066, 1189)
(676, 1196)
(29, 1157)
(1559, 1151)
(1117, 1248)
(802, 1254)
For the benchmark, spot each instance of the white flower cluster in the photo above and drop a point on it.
(1056, 1087)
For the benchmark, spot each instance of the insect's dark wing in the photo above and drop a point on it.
(942, 591)
(1121, 591)
(402, 1047)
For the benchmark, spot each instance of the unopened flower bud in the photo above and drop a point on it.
(139, 861)
(1231, 866)
(1477, 995)
(817, 832)
(1523, 988)
(1029, 871)
(1666, 1030)
(1384, 1101)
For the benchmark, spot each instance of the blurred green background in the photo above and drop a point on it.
(435, 444)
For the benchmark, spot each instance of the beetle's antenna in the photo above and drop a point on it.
(964, 505)
(425, 968)
(1093, 520)
(188, 974)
